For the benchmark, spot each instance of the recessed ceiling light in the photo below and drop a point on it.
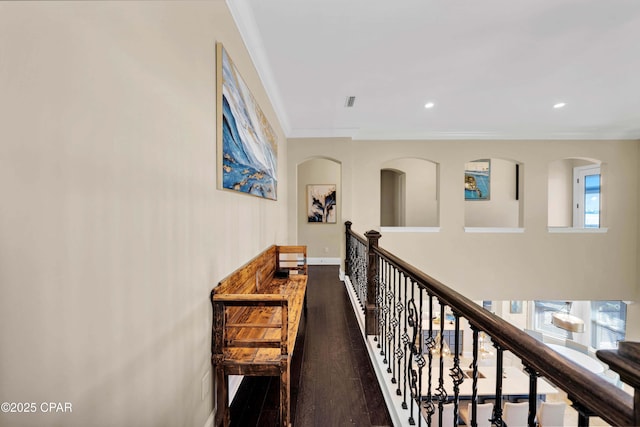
(349, 101)
(559, 105)
(429, 105)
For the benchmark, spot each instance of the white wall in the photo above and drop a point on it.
(112, 230)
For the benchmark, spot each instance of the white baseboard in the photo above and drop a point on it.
(354, 303)
(399, 416)
(209, 422)
(324, 261)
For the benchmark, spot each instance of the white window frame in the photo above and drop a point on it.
(579, 174)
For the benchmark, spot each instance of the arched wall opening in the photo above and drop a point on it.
(316, 178)
(493, 191)
(564, 198)
(409, 193)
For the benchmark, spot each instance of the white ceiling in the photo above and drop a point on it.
(493, 68)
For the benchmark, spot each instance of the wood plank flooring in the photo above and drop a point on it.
(333, 382)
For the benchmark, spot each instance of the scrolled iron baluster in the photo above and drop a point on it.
(474, 386)
(430, 345)
(381, 302)
(413, 387)
(456, 373)
(412, 373)
(497, 408)
(419, 357)
(405, 342)
(399, 349)
(390, 327)
(430, 409)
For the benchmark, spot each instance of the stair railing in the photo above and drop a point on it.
(399, 304)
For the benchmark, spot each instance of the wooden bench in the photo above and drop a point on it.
(256, 314)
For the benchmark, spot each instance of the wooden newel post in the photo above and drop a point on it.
(626, 362)
(370, 323)
(347, 249)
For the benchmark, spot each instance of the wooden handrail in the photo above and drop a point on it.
(583, 387)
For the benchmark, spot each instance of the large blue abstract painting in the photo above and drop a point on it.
(247, 145)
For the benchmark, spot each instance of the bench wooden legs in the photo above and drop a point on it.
(223, 417)
(285, 391)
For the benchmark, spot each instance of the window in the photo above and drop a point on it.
(608, 323)
(574, 196)
(542, 318)
(586, 195)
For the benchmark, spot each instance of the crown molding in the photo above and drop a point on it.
(245, 22)
(394, 135)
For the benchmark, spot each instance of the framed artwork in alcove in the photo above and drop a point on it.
(477, 180)
(321, 203)
(247, 145)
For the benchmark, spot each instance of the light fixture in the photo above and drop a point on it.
(563, 319)
(559, 105)
(446, 351)
(429, 105)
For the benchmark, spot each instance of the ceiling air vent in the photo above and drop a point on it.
(350, 101)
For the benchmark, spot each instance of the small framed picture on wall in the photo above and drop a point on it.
(516, 307)
(321, 203)
(477, 180)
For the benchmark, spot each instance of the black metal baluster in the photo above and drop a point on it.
(362, 285)
(456, 373)
(474, 387)
(405, 341)
(399, 353)
(420, 358)
(430, 345)
(583, 413)
(391, 336)
(387, 291)
(533, 395)
(381, 292)
(413, 377)
(441, 393)
(378, 313)
(497, 407)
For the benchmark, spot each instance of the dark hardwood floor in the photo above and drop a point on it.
(333, 382)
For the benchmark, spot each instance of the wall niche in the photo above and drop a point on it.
(409, 193)
(493, 194)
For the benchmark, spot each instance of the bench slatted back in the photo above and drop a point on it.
(247, 279)
(292, 258)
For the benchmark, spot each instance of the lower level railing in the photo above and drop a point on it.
(418, 326)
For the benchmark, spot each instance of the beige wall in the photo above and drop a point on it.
(323, 240)
(530, 265)
(502, 209)
(420, 196)
(112, 230)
